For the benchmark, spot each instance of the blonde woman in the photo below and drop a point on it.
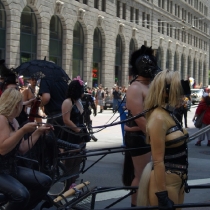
(23, 187)
(162, 182)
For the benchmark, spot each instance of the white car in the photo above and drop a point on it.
(196, 95)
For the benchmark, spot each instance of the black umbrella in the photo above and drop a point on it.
(42, 69)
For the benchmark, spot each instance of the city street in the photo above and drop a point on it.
(108, 171)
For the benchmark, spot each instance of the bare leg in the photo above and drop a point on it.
(139, 163)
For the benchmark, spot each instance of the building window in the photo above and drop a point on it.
(182, 66)
(148, 20)
(159, 3)
(28, 35)
(124, 11)
(118, 9)
(168, 30)
(131, 14)
(167, 59)
(97, 58)
(56, 36)
(2, 31)
(103, 5)
(137, 16)
(162, 27)
(118, 61)
(175, 61)
(159, 57)
(85, 1)
(159, 25)
(168, 5)
(78, 50)
(171, 7)
(178, 11)
(171, 31)
(143, 19)
(132, 47)
(96, 4)
(163, 4)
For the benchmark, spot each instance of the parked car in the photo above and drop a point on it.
(196, 95)
(108, 103)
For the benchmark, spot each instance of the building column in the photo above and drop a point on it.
(191, 67)
(178, 63)
(125, 65)
(163, 59)
(88, 56)
(196, 72)
(171, 60)
(13, 35)
(68, 48)
(185, 68)
(43, 38)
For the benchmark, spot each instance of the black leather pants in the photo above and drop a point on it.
(25, 189)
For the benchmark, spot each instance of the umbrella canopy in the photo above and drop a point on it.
(42, 69)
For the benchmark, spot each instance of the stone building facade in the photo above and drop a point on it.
(94, 38)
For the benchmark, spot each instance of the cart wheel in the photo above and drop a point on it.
(105, 108)
(60, 187)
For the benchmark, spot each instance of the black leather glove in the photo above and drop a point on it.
(164, 202)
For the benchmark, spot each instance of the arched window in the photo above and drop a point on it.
(200, 72)
(182, 67)
(159, 57)
(132, 47)
(78, 50)
(2, 31)
(194, 68)
(175, 61)
(118, 61)
(189, 67)
(205, 80)
(28, 36)
(56, 36)
(97, 57)
(167, 59)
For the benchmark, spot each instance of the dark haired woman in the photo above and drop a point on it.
(72, 112)
(144, 68)
(204, 106)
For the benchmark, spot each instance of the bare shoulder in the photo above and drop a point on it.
(3, 121)
(157, 116)
(67, 102)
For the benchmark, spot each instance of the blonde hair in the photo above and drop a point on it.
(8, 100)
(157, 91)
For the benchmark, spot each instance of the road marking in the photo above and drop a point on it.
(199, 181)
(121, 193)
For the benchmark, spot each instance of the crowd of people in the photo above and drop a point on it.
(158, 164)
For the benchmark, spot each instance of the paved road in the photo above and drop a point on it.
(108, 172)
